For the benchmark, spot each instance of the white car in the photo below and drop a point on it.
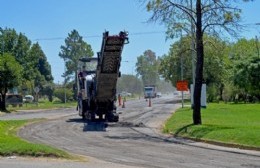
(28, 98)
(159, 94)
(124, 94)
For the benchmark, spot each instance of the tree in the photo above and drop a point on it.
(8, 40)
(21, 53)
(42, 64)
(246, 67)
(129, 83)
(74, 49)
(205, 16)
(247, 76)
(10, 77)
(216, 71)
(59, 93)
(165, 87)
(147, 67)
(48, 90)
(19, 45)
(36, 69)
(216, 60)
(170, 64)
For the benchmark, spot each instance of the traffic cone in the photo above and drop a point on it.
(119, 100)
(150, 103)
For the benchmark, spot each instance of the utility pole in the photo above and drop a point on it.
(182, 101)
(65, 97)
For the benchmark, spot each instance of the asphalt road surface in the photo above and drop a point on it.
(135, 141)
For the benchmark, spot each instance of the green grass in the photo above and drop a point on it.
(236, 124)
(43, 104)
(11, 144)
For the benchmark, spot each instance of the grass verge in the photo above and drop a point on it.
(11, 144)
(43, 104)
(231, 124)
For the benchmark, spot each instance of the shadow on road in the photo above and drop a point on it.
(90, 125)
(94, 126)
(172, 102)
(76, 120)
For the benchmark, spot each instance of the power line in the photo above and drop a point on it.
(98, 36)
(147, 33)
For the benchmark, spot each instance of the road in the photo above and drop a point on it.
(135, 141)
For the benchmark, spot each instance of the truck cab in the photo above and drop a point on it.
(87, 68)
(150, 91)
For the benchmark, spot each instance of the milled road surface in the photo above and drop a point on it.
(135, 140)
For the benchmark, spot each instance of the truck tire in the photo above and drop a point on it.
(112, 117)
(100, 116)
(92, 116)
(84, 109)
(84, 116)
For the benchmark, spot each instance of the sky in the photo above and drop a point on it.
(49, 22)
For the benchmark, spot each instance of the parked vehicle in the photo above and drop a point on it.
(14, 100)
(125, 94)
(28, 98)
(159, 94)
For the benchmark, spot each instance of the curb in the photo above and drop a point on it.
(219, 146)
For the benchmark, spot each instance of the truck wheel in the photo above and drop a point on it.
(112, 117)
(84, 116)
(100, 116)
(93, 117)
(116, 117)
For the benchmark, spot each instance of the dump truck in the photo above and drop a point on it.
(97, 80)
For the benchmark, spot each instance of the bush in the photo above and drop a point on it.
(212, 93)
(60, 94)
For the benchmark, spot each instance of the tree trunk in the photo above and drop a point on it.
(2, 101)
(199, 66)
(221, 88)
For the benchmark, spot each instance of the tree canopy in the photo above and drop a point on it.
(10, 77)
(36, 70)
(246, 69)
(129, 83)
(74, 49)
(147, 67)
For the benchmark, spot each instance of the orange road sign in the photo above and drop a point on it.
(182, 85)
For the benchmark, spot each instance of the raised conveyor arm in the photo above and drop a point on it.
(108, 66)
